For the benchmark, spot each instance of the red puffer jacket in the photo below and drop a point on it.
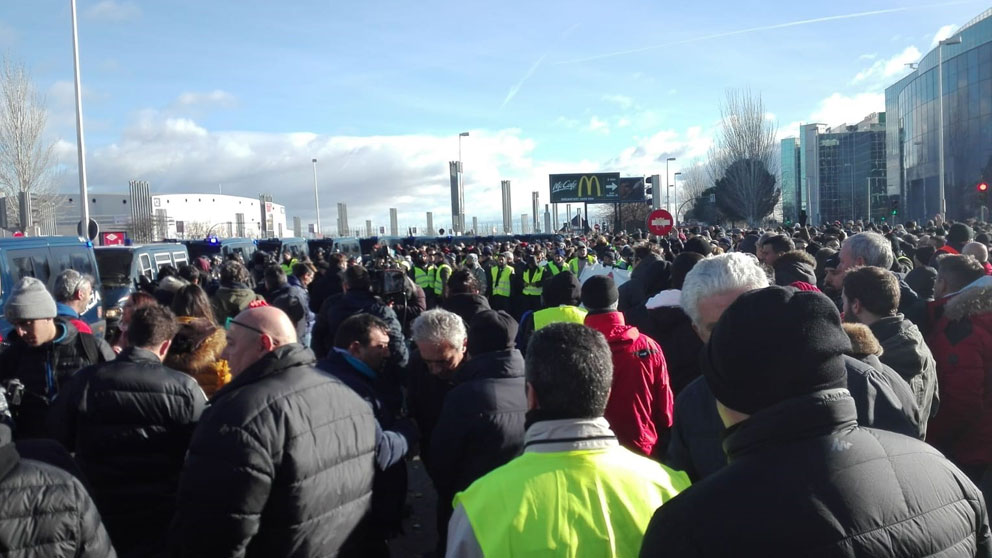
(960, 338)
(641, 400)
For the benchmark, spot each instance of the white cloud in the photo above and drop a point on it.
(597, 125)
(880, 73)
(839, 109)
(216, 97)
(622, 101)
(943, 33)
(871, 56)
(623, 122)
(112, 10)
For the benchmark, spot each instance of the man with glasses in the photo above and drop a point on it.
(281, 463)
(41, 354)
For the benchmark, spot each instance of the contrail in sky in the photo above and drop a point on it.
(519, 84)
(764, 28)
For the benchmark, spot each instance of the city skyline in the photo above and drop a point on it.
(240, 97)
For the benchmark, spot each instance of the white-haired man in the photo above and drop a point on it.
(883, 401)
(873, 249)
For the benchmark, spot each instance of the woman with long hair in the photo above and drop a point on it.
(197, 346)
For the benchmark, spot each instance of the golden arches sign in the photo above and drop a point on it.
(589, 182)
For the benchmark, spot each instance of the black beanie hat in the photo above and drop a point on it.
(491, 331)
(657, 277)
(774, 344)
(960, 233)
(599, 292)
(698, 245)
(563, 288)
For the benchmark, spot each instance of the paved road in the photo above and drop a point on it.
(420, 532)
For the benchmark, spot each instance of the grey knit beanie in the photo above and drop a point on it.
(29, 301)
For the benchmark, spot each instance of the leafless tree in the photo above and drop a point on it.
(196, 229)
(27, 161)
(743, 156)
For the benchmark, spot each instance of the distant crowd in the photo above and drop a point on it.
(784, 391)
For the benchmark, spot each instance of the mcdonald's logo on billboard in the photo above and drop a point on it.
(590, 181)
(600, 187)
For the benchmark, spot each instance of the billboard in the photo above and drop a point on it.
(600, 187)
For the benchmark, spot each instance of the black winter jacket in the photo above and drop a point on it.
(465, 305)
(129, 423)
(671, 327)
(482, 422)
(882, 399)
(425, 397)
(45, 511)
(338, 308)
(905, 350)
(632, 293)
(324, 287)
(63, 356)
(281, 464)
(805, 480)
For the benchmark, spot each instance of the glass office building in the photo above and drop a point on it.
(792, 198)
(913, 106)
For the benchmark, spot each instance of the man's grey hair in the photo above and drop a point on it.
(976, 250)
(873, 249)
(68, 283)
(439, 326)
(720, 274)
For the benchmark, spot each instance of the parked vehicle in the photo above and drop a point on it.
(44, 257)
(123, 268)
(275, 246)
(223, 247)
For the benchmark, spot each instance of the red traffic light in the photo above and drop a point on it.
(983, 187)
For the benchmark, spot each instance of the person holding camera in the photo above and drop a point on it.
(42, 353)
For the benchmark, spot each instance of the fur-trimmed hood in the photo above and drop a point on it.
(863, 341)
(196, 350)
(973, 300)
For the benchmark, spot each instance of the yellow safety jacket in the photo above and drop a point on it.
(594, 502)
(439, 280)
(501, 281)
(558, 314)
(573, 264)
(423, 277)
(554, 269)
(532, 282)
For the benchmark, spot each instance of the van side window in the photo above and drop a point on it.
(162, 259)
(146, 265)
(179, 258)
(27, 263)
(71, 257)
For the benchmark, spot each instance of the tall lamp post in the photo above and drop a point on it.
(940, 118)
(675, 182)
(460, 218)
(668, 192)
(84, 207)
(316, 198)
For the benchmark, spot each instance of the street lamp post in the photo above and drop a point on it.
(459, 219)
(668, 193)
(940, 118)
(675, 182)
(84, 207)
(316, 198)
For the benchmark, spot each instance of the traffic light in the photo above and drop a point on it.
(648, 186)
(895, 206)
(983, 188)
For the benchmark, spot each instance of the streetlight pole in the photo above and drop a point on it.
(675, 187)
(940, 118)
(668, 192)
(459, 219)
(84, 211)
(316, 198)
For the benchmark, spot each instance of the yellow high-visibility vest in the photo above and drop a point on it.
(532, 282)
(501, 281)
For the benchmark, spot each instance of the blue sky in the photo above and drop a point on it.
(191, 94)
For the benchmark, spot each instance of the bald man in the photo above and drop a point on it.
(281, 463)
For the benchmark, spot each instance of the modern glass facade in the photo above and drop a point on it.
(792, 199)
(913, 108)
(851, 167)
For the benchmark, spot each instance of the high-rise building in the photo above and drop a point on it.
(841, 171)
(912, 105)
(457, 197)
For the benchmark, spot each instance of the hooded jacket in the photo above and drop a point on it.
(795, 266)
(281, 464)
(961, 340)
(905, 351)
(196, 350)
(661, 318)
(46, 512)
(129, 423)
(482, 422)
(632, 293)
(805, 480)
(465, 305)
(640, 403)
(44, 370)
(228, 302)
(338, 308)
(882, 400)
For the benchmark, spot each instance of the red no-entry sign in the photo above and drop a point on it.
(660, 222)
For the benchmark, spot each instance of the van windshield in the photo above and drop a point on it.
(115, 266)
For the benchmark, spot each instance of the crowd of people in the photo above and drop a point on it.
(781, 391)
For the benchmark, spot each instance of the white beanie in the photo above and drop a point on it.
(29, 301)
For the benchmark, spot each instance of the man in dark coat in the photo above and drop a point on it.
(361, 348)
(464, 295)
(328, 283)
(482, 421)
(282, 461)
(44, 510)
(358, 297)
(804, 479)
(632, 293)
(42, 352)
(129, 422)
(290, 299)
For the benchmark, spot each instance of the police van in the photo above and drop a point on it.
(223, 247)
(297, 246)
(44, 257)
(124, 268)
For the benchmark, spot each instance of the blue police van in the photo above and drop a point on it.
(124, 268)
(223, 247)
(44, 257)
(297, 246)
